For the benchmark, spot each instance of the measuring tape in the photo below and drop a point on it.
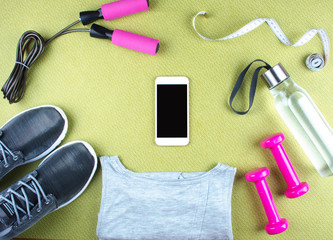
(314, 62)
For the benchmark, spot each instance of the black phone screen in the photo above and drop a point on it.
(172, 110)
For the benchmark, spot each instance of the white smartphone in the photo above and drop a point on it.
(172, 111)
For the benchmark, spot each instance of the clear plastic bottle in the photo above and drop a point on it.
(303, 118)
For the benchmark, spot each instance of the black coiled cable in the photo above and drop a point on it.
(33, 44)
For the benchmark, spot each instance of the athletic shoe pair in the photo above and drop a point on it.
(60, 178)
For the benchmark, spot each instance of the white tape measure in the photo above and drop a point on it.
(314, 62)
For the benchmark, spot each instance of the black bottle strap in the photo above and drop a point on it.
(252, 88)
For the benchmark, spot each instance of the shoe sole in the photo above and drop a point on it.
(93, 153)
(57, 142)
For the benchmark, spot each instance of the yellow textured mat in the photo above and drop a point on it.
(107, 93)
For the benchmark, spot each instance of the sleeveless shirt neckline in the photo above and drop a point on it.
(120, 168)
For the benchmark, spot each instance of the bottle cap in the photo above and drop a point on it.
(275, 75)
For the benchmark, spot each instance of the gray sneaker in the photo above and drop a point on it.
(30, 136)
(58, 180)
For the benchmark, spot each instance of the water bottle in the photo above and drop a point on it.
(303, 118)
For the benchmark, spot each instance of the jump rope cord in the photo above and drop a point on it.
(32, 44)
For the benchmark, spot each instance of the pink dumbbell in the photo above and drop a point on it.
(295, 187)
(275, 223)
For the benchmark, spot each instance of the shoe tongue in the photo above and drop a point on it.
(7, 213)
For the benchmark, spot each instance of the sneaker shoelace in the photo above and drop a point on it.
(5, 151)
(35, 188)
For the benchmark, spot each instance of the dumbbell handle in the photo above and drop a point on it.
(267, 201)
(285, 166)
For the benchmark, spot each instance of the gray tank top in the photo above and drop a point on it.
(165, 205)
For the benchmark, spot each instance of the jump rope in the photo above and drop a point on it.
(32, 44)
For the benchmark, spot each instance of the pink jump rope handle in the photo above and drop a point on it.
(123, 8)
(275, 223)
(135, 42)
(126, 39)
(295, 187)
(114, 10)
